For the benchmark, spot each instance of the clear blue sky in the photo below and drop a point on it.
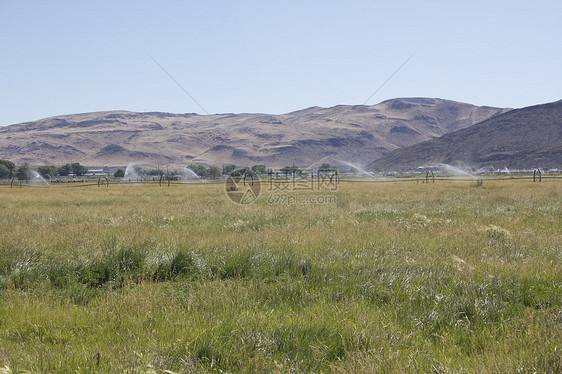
(61, 57)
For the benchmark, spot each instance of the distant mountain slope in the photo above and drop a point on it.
(524, 138)
(355, 134)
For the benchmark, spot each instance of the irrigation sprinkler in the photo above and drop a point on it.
(535, 173)
(12, 183)
(248, 175)
(330, 175)
(100, 181)
(427, 176)
(164, 178)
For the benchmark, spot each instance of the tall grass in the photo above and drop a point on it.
(442, 277)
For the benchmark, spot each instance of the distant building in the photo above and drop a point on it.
(93, 172)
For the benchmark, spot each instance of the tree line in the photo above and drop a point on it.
(9, 170)
(201, 171)
(215, 171)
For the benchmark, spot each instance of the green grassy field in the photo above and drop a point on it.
(445, 277)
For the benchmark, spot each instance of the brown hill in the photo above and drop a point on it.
(349, 133)
(521, 139)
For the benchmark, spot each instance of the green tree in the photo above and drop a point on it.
(242, 171)
(259, 169)
(200, 170)
(291, 170)
(4, 172)
(23, 172)
(64, 170)
(47, 172)
(154, 172)
(227, 169)
(120, 173)
(214, 171)
(458, 164)
(77, 169)
(327, 167)
(10, 166)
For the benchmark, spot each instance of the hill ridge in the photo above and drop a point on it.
(527, 137)
(354, 133)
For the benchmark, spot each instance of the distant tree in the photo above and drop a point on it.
(154, 172)
(290, 170)
(120, 173)
(259, 169)
(458, 164)
(200, 170)
(77, 169)
(242, 171)
(227, 169)
(247, 171)
(23, 172)
(47, 172)
(64, 170)
(326, 167)
(4, 172)
(214, 171)
(10, 166)
(377, 169)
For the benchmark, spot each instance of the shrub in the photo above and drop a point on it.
(120, 173)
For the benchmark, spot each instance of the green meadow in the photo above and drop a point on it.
(449, 277)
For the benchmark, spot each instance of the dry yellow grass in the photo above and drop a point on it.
(393, 277)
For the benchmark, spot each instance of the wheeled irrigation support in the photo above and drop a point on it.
(537, 172)
(251, 176)
(103, 180)
(12, 183)
(164, 178)
(427, 176)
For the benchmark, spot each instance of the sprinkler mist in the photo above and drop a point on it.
(358, 168)
(190, 175)
(131, 173)
(456, 171)
(36, 178)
